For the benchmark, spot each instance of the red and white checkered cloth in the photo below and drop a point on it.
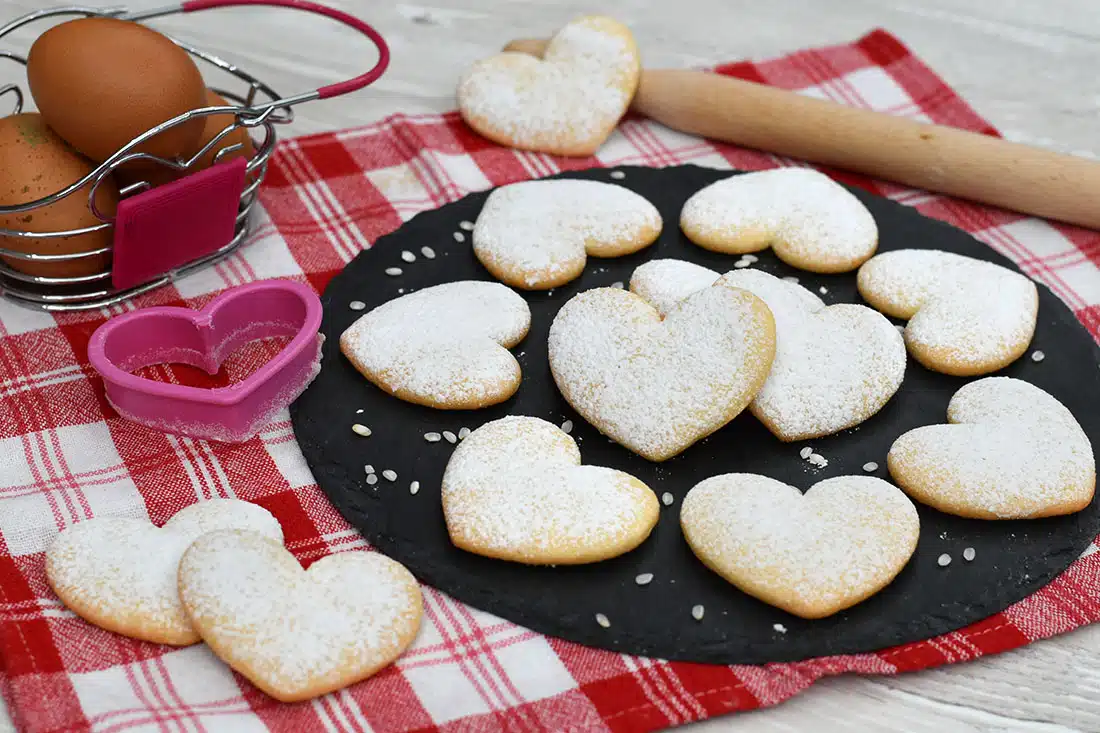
(65, 456)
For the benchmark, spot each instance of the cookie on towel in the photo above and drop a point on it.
(967, 317)
(566, 103)
(515, 489)
(654, 385)
(297, 634)
(445, 346)
(811, 554)
(834, 366)
(1010, 451)
(119, 573)
(537, 235)
(812, 222)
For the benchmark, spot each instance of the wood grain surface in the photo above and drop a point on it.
(1029, 67)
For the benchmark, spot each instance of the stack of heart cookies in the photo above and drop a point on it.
(217, 572)
(677, 354)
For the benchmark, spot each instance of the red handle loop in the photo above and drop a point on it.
(332, 90)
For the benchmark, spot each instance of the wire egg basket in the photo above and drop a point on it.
(254, 106)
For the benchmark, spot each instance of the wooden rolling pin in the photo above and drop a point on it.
(936, 158)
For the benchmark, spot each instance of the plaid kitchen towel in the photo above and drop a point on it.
(65, 456)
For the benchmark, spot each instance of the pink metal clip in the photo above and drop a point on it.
(203, 339)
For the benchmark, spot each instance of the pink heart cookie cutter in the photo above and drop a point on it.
(204, 339)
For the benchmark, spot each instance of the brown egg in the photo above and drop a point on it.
(156, 175)
(35, 162)
(100, 82)
(214, 125)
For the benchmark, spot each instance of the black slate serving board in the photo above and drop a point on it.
(1013, 558)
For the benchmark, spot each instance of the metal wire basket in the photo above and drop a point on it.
(259, 108)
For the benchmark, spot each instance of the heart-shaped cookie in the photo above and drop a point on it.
(537, 235)
(966, 316)
(812, 222)
(1011, 451)
(515, 489)
(567, 102)
(834, 366)
(445, 346)
(811, 554)
(119, 573)
(297, 634)
(657, 386)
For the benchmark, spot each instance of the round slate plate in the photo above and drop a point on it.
(1013, 558)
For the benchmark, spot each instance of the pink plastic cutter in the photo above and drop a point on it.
(203, 339)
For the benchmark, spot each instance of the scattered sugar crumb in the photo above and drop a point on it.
(780, 628)
(389, 475)
(791, 279)
(806, 452)
(467, 225)
(433, 437)
(459, 237)
(602, 620)
(1037, 356)
(372, 478)
(969, 554)
(408, 256)
(359, 411)
(357, 305)
(463, 433)
(450, 437)
(823, 290)
(567, 426)
(944, 560)
(619, 284)
(393, 271)
(750, 258)
(618, 175)
(368, 468)
(697, 612)
(667, 498)
(870, 466)
(818, 460)
(360, 429)
(428, 252)
(943, 535)
(414, 487)
(643, 578)
(742, 263)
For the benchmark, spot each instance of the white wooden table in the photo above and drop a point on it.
(1029, 67)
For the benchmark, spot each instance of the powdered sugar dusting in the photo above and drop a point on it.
(834, 366)
(964, 314)
(444, 346)
(811, 554)
(298, 634)
(567, 101)
(1011, 451)
(515, 489)
(657, 386)
(809, 220)
(537, 234)
(120, 572)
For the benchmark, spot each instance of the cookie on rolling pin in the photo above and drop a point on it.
(445, 346)
(811, 554)
(967, 317)
(537, 235)
(566, 103)
(1009, 451)
(834, 366)
(515, 489)
(297, 634)
(809, 220)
